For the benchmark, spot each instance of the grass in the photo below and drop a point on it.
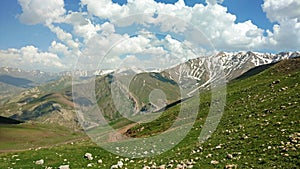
(33, 135)
(259, 129)
(142, 85)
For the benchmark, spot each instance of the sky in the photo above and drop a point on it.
(58, 35)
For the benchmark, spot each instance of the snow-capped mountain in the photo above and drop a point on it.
(230, 65)
(201, 69)
(85, 73)
(14, 80)
(24, 79)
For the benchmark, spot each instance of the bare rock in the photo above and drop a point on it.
(64, 167)
(88, 156)
(231, 166)
(39, 162)
(214, 162)
(230, 156)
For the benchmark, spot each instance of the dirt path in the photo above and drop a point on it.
(114, 137)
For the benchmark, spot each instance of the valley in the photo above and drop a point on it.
(258, 129)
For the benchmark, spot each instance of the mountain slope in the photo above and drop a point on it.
(233, 65)
(13, 81)
(30, 136)
(5, 120)
(51, 103)
(113, 94)
(259, 128)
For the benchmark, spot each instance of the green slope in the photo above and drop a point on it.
(33, 135)
(50, 103)
(138, 91)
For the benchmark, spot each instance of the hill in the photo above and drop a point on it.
(51, 103)
(30, 136)
(5, 120)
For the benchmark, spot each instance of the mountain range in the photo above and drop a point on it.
(48, 98)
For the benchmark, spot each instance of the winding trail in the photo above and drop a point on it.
(114, 137)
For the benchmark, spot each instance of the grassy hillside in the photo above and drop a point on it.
(51, 103)
(33, 135)
(259, 129)
(138, 91)
(143, 84)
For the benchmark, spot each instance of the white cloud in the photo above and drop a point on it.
(105, 8)
(213, 2)
(213, 20)
(64, 36)
(41, 11)
(81, 26)
(60, 49)
(286, 34)
(96, 47)
(220, 28)
(282, 10)
(29, 57)
(146, 50)
(215, 23)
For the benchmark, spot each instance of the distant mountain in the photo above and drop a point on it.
(234, 65)
(135, 86)
(36, 77)
(15, 81)
(51, 103)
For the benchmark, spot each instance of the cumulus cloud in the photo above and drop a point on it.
(64, 36)
(213, 20)
(96, 47)
(220, 28)
(81, 26)
(286, 34)
(29, 57)
(59, 49)
(212, 24)
(282, 10)
(147, 51)
(105, 8)
(41, 11)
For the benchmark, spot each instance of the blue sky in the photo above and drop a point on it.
(56, 35)
(15, 34)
